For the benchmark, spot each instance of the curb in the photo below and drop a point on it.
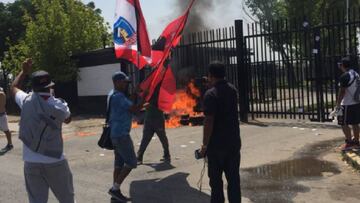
(352, 157)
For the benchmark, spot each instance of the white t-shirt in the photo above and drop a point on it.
(347, 80)
(29, 155)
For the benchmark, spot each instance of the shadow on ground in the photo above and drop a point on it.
(163, 166)
(171, 189)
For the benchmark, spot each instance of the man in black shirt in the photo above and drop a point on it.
(221, 139)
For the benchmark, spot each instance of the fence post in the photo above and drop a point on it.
(242, 71)
(319, 76)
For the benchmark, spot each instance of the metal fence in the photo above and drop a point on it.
(283, 69)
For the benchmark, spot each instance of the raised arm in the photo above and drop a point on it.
(18, 82)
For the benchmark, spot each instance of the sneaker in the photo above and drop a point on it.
(7, 148)
(113, 200)
(347, 146)
(139, 160)
(356, 144)
(117, 195)
(166, 159)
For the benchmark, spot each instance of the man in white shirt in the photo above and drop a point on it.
(42, 116)
(346, 101)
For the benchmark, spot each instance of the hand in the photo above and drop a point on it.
(27, 66)
(203, 150)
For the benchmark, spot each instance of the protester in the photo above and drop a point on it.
(221, 138)
(4, 123)
(41, 121)
(121, 110)
(350, 108)
(154, 122)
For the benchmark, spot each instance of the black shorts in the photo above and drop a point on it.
(351, 115)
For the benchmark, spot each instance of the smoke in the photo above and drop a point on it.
(201, 14)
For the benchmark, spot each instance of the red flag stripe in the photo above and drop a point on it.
(144, 45)
(132, 56)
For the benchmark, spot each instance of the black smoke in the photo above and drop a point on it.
(200, 14)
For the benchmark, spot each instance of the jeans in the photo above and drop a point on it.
(227, 162)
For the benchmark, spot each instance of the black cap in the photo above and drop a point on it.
(346, 61)
(41, 80)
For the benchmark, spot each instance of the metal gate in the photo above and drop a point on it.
(283, 69)
(292, 67)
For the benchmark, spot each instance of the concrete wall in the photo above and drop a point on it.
(96, 80)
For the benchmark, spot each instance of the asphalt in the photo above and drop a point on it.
(282, 161)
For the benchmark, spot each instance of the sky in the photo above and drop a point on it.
(158, 13)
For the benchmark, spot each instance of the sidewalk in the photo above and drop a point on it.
(352, 157)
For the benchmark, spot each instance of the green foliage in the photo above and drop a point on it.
(59, 29)
(12, 23)
(313, 10)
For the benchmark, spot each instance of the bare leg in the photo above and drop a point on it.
(116, 174)
(347, 132)
(356, 132)
(122, 175)
(8, 137)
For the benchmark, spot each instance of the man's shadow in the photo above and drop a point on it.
(174, 188)
(163, 166)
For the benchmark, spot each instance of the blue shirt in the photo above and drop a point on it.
(120, 116)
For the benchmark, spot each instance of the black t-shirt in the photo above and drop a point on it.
(221, 102)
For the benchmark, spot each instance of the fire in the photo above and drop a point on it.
(134, 125)
(183, 105)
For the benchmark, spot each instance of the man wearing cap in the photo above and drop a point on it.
(346, 102)
(121, 110)
(4, 123)
(41, 121)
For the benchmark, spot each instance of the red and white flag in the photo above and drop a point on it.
(131, 38)
(162, 74)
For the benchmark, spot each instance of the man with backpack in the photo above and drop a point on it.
(348, 101)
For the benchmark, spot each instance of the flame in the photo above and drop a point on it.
(184, 105)
(134, 125)
(193, 90)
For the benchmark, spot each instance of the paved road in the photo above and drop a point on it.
(280, 163)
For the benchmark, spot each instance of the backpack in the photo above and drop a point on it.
(356, 95)
(357, 91)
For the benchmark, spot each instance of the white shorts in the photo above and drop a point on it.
(4, 123)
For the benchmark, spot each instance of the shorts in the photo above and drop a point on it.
(4, 122)
(124, 152)
(351, 115)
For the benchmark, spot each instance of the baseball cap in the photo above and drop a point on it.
(345, 61)
(41, 79)
(120, 76)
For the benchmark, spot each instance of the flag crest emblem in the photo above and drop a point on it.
(124, 33)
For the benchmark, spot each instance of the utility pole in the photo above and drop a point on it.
(347, 28)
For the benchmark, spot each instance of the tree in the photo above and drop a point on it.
(12, 30)
(298, 15)
(59, 29)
